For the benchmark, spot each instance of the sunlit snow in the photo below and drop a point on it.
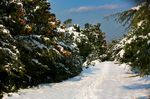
(104, 81)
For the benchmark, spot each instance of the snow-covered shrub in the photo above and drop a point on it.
(92, 43)
(35, 59)
(89, 42)
(12, 71)
(74, 60)
(137, 51)
(30, 53)
(114, 47)
(51, 62)
(134, 49)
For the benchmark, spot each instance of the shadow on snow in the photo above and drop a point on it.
(137, 86)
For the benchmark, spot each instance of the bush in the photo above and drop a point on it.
(12, 71)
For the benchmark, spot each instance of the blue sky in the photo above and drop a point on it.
(92, 11)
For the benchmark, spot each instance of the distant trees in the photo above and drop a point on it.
(92, 45)
(68, 22)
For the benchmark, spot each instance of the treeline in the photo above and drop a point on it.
(36, 48)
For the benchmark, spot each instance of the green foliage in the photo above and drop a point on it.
(12, 72)
(12, 15)
(133, 16)
(91, 43)
(74, 61)
(113, 50)
(137, 53)
(27, 17)
(30, 53)
(68, 22)
(136, 45)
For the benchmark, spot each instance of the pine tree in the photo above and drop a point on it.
(137, 46)
(37, 15)
(23, 61)
(12, 71)
(13, 16)
(93, 45)
(68, 22)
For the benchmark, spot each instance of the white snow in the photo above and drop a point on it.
(134, 37)
(53, 23)
(148, 34)
(46, 38)
(32, 40)
(148, 42)
(1, 25)
(36, 61)
(138, 52)
(56, 51)
(144, 37)
(72, 30)
(61, 48)
(39, 44)
(5, 31)
(136, 8)
(104, 81)
(28, 26)
(20, 3)
(12, 53)
(60, 30)
(140, 23)
(12, 1)
(121, 53)
(36, 36)
(37, 7)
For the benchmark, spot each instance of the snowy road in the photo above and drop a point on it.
(104, 81)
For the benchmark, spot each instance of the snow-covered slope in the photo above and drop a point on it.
(104, 81)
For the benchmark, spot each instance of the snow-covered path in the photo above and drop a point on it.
(104, 81)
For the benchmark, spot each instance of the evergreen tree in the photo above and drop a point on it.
(68, 22)
(136, 49)
(38, 17)
(29, 51)
(93, 44)
(12, 71)
(12, 16)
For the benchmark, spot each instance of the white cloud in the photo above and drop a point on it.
(93, 8)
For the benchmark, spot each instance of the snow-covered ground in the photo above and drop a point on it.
(104, 81)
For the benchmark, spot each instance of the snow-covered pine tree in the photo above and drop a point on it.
(39, 18)
(136, 51)
(13, 16)
(71, 57)
(12, 71)
(29, 50)
(93, 44)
